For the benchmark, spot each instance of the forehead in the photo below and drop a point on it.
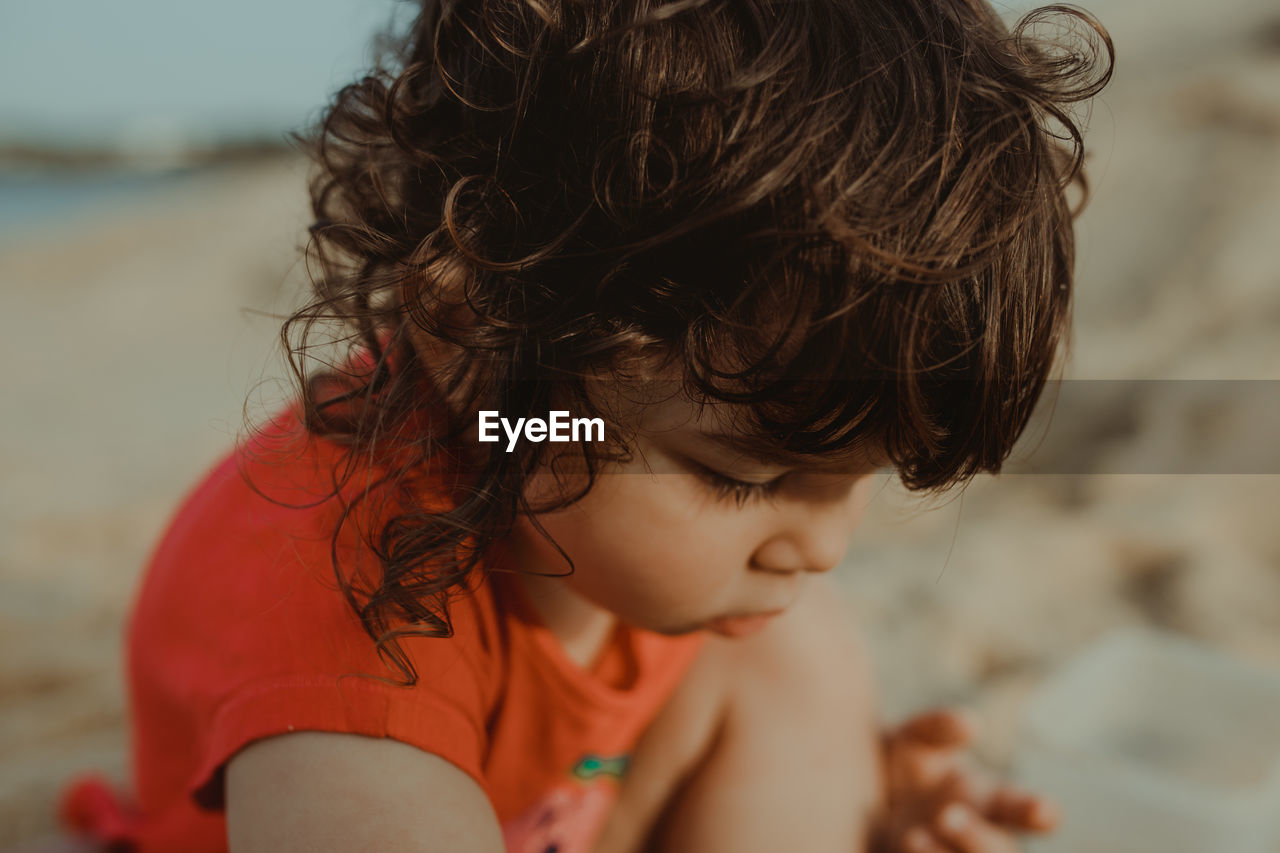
(859, 458)
(663, 413)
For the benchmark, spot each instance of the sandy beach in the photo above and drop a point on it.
(136, 332)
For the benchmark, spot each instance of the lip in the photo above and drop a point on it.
(741, 626)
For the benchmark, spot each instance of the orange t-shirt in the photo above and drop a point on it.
(239, 632)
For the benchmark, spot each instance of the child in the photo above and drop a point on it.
(641, 297)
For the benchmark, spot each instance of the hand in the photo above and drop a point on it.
(933, 804)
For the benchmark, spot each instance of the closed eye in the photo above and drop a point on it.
(741, 491)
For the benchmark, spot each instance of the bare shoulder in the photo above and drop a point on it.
(814, 647)
(318, 791)
(795, 760)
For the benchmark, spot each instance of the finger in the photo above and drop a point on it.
(968, 832)
(969, 783)
(927, 748)
(913, 767)
(944, 728)
(920, 840)
(1020, 809)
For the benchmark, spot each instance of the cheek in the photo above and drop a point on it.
(656, 539)
(647, 547)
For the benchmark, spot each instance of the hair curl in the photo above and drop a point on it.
(848, 219)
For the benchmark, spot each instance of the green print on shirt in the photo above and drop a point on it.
(592, 766)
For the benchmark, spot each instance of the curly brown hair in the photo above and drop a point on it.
(846, 219)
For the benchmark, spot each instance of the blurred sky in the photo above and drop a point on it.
(86, 71)
(150, 73)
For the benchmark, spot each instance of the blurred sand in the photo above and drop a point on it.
(131, 356)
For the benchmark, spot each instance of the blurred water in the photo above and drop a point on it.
(31, 199)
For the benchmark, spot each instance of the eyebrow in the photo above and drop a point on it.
(779, 456)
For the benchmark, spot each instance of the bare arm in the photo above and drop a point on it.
(321, 791)
(795, 763)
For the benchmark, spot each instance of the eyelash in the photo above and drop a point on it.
(741, 492)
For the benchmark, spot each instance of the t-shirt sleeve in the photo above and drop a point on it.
(241, 632)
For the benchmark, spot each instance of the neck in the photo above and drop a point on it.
(582, 628)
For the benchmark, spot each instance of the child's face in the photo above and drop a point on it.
(654, 543)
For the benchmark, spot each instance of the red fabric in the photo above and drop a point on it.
(239, 632)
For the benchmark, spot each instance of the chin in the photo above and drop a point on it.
(678, 630)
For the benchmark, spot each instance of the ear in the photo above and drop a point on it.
(434, 299)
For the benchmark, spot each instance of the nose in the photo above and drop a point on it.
(788, 555)
(814, 537)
